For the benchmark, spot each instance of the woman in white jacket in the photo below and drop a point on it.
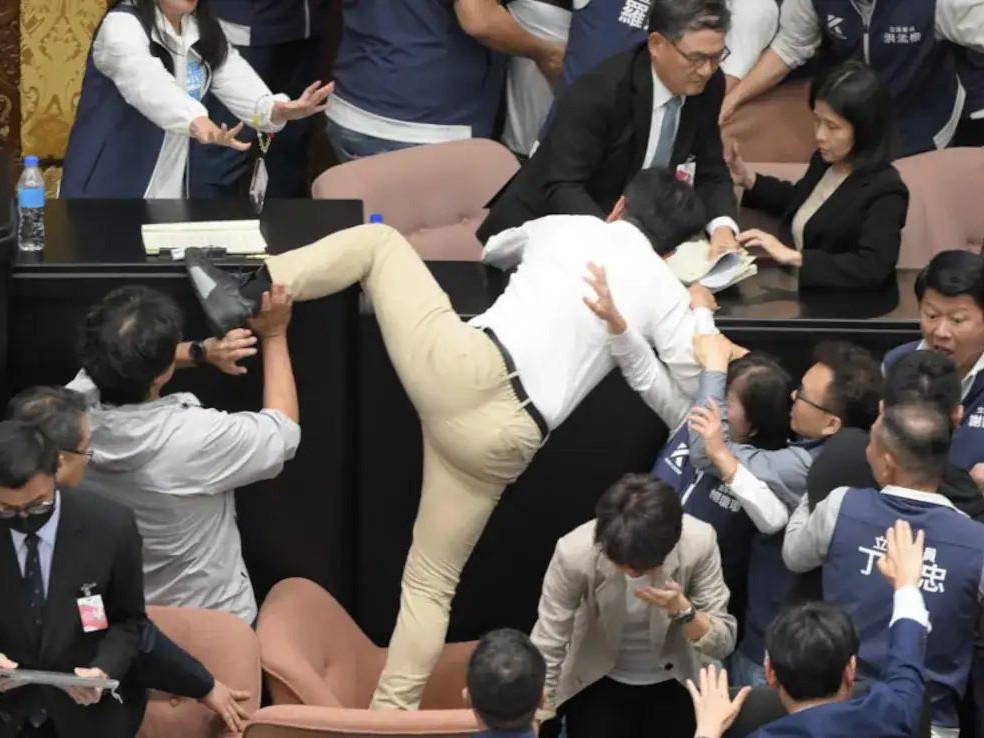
(151, 64)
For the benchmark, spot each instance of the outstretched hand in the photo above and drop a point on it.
(604, 306)
(902, 564)
(313, 100)
(205, 131)
(714, 709)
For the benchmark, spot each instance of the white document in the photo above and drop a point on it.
(235, 236)
(691, 263)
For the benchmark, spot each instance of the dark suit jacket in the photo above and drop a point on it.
(597, 143)
(853, 239)
(97, 542)
(891, 709)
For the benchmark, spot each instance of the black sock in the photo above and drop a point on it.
(256, 284)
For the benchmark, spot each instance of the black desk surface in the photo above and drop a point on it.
(104, 235)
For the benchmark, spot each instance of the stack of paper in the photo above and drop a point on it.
(691, 263)
(235, 236)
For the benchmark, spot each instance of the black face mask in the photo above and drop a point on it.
(28, 525)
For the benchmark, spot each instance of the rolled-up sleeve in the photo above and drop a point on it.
(121, 51)
(709, 594)
(241, 90)
(799, 33)
(224, 451)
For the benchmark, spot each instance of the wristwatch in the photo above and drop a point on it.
(685, 617)
(198, 353)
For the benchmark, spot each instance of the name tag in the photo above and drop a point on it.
(258, 186)
(687, 172)
(92, 612)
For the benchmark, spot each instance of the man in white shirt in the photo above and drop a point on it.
(489, 393)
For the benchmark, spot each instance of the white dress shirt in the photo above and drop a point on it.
(661, 96)
(121, 52)
(47, 534)
(559, 346)
(800, 32)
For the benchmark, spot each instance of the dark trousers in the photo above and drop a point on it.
(615, 710)
(969, 133)
(218, 171)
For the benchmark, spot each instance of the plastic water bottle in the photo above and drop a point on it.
(376, 218)
(30, 202)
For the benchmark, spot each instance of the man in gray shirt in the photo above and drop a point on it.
(175, 463)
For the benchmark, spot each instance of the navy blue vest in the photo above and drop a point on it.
(113, 148)
(707, 498)
(951, 577)
(601, 30)
(274, 21)
(901, 46)
(410, 60)
(967, 444)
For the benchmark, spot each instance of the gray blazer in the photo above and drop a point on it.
(582, 609)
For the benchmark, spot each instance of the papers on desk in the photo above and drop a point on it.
(238, 237)
(691, 263)
(56, 679)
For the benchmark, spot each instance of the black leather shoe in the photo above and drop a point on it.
(219, 294)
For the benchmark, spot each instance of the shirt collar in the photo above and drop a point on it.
(966, 382)
(47, 532)
(182, 41)
(930, 498)
(661, 95)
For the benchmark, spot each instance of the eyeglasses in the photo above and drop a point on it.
(799, 396)
(696, 60)
(88, 453)
(32, 508)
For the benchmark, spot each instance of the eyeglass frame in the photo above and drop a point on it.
(811, 403)
(88, 453)
(715, 61)
(9, 512)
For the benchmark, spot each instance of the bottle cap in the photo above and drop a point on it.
(30, 160)
(376, 218)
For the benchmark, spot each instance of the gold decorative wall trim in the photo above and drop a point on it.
(9, 77)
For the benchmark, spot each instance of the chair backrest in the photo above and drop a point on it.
(762, 706)
(313, 653)
(227, 647)
(945, 209)
(776, 127)
(298, 721)
(435, 195)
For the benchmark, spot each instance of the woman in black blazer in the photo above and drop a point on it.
(843, 220)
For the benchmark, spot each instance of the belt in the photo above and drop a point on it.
(518, 388)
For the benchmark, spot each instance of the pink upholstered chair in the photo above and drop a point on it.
(313, 653)
(775, 127)
(299, 721)
(945, 203)
(227, 647)
(434, 195)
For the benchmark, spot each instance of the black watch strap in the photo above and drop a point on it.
(198, 353)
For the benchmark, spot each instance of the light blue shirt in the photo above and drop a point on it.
(46, 546)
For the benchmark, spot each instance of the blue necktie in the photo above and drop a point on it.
(667, 133)
(33, 580)
(36, 713)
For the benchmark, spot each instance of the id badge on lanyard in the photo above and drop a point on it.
(260, 181)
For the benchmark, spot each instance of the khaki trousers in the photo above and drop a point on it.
(477, 436)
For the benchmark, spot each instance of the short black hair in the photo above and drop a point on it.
(856, 387)
(639, 521)
(24, 452)
(923, 377)
(674, 18)
(918, 436)
(763, 388)
(953, 273)
(57, 411)
(809, 645)
(505, 679)
(128, 340)
(855, 92)
(667, 210)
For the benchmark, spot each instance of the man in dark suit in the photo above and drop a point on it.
(813, 659)
(70, 571)
(656, 105)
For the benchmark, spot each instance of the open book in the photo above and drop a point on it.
(235, 236)
(691, 263)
